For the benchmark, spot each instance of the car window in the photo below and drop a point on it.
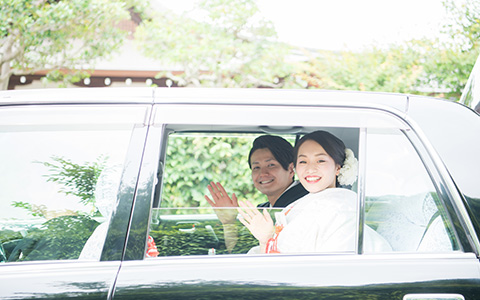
(403, 212)
(401, 202)
(183, 223)
(61, 173)
(193, 160)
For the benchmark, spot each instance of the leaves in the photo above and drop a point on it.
(193, 162)
(438, 67)
(38, 35)
(230, 45)
(34, 210)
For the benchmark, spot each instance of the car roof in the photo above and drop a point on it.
(278, 97)
(207, 96)
(200, 95)
(77, 96)
(303, 97)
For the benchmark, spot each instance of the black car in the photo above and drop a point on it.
(102, 194)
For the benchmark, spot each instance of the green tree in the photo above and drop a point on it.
(450, 59)
(447, 67)
(439, 66)
(222, 43)
(58, 35)
(464, 23)
(394, 70)
(193, 162)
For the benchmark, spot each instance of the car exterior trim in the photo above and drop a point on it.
(450, 186)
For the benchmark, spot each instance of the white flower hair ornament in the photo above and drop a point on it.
(349, 170)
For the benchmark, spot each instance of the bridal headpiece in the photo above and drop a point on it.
(349, 170)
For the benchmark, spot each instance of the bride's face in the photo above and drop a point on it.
(316, 169)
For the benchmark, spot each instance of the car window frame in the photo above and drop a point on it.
(446, 188)
(173, 114)
(133, 116)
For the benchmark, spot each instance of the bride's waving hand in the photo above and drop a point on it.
(260, 224)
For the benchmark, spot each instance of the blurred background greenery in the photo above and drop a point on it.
(226, 43)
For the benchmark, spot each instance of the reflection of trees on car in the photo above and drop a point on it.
(64, 233)
(75, 179)
(189, 239)
(59, 238)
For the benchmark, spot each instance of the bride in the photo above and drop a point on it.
(325, 220)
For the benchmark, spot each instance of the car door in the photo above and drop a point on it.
(64, 165)
(401, 193)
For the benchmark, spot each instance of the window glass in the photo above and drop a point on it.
(185, 224)
(198, 231)
(59, 184)
(402, 204)
(193, 160)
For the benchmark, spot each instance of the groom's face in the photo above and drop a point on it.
(268, 175)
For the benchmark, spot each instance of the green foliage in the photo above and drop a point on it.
(59, 238)
(9, 240)
(178, 240)
(222, 45)
(36, 211)
(3, 255)
(464, 24)
(8, 235)
(230, 45)
(193, 162)
(450, 60)
(438, 67)
(58, 35)
(448, 67)
(63, 78)
(78, 180)
(395, 70)
(418, 67)
(62, 237)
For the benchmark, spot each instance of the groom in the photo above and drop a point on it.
(271, 162)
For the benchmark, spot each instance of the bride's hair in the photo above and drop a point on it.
(332, 145)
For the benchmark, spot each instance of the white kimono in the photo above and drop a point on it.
(325, 222)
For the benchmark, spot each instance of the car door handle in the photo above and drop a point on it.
(433, 297)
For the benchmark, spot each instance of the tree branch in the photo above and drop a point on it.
(7, 51)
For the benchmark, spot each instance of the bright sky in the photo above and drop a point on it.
(353, 24)
(347, 24)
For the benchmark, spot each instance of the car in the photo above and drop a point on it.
(471, 93)
(102, 194)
